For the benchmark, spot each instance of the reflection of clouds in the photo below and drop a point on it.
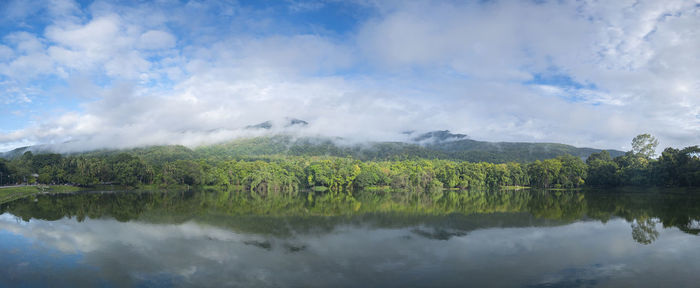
(579, 277)
(694, 224)
(191, 254)
(68, 237)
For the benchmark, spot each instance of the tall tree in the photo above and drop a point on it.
(645, 145)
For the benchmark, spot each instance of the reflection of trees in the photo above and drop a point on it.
(233, 207)
(568, 206)
(691, 228)
(644, 231)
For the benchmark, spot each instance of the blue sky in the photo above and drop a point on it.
(124, 73)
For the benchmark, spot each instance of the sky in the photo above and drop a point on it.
(115, 74)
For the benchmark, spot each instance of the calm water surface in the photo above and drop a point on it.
(456, 239)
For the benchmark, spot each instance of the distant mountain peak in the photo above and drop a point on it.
(287, 123)
(295, 122)
(263, 125)
(438, 136)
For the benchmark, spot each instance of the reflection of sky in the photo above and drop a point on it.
(190, 254)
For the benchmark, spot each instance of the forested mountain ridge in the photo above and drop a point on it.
(463, 149)
(428, 147)
(502, 152)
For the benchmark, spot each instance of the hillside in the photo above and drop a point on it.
(462, 149)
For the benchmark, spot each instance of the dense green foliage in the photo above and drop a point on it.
(264, 175)
(673, 168)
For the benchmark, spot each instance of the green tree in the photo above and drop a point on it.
(645, 145)
(602, 155)
(545, 173)
(633, 169)
(573, 171)
(602, 173)
(4, 172)
(678, 167)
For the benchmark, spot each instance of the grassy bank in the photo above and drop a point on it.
(8, 194)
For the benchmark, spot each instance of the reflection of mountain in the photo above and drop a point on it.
(453, 214)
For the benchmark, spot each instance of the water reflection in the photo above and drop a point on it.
(446, 212)
(219, 238)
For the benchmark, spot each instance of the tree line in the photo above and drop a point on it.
(286, 175)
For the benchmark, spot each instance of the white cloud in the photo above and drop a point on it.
(5, 52)
(611, 45)
(25, 42)
(412, 66)
(154, 39)
(501, 40)
(25, 67)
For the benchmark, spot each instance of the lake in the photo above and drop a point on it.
(604, 238)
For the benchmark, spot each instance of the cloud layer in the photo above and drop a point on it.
(586, 73)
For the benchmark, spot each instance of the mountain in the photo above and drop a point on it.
(431, 145)
(295, 122)
(438, 136)
(263, 125)
(499, 152)
(37, 149)
(288, 122)
(444, 146)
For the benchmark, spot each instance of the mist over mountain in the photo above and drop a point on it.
(439, 144)
(447, 148)
(438, 136)
(287, 123)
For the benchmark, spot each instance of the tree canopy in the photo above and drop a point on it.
(284, 174)
(644, 145)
